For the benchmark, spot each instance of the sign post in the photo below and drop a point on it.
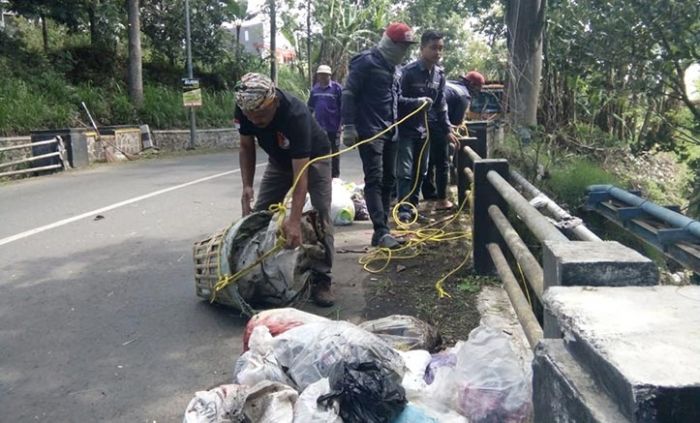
(190, 75)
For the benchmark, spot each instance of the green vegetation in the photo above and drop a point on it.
(569, 182)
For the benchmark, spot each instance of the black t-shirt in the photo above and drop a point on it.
(292, 134)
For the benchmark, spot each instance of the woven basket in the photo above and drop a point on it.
(206, 268)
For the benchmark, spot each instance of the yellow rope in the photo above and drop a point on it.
(410, 250)
(225, 280)
(419, 236)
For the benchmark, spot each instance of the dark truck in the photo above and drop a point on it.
(488, 104)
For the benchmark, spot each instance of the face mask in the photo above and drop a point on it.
(393, 52)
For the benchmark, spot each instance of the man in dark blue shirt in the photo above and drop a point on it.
(285, 129)
(370, 105)
(458, 96)
(325, 103)
(424, 78)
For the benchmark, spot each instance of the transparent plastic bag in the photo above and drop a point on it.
(270, 402)
(404, 332)
(278, 320)
(490, 382)
(309, 351)
(259, 363)
(416, 362)
(223, 404)
(308, 410)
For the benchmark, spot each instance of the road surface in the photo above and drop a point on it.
(98, 317)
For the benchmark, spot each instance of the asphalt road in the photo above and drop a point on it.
(98, 317)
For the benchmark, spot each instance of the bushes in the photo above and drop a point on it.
(569, 182)
(43, 92)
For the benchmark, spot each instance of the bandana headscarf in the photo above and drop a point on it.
(254, 91)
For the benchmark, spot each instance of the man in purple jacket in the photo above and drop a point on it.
(324, 102)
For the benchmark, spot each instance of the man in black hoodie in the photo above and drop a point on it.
(370, 105)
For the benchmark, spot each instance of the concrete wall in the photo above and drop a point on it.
(617, 347)
(179, 139)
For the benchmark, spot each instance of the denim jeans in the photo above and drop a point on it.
(438, 173)
(407, 167)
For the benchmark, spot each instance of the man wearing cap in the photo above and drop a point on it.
(286, 131)
(458, 95)
(424, 78)
(371, 98)
(324, 103)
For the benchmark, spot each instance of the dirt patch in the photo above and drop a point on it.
(408, 287)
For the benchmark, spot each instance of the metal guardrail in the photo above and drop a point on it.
(60, 153)
(675, 235)
(493, 196)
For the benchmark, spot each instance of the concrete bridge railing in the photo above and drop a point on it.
(611, 345)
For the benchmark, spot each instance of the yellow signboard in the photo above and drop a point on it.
(191, 93)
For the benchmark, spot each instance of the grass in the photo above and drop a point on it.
(569, 181)
(42, 92)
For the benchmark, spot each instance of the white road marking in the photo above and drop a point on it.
(92, 213)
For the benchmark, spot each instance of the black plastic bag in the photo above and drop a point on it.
(367, 392)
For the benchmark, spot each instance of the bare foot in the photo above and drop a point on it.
(444, 204)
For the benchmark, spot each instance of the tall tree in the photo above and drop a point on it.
(525, 21)
(135, 66)
(273, 40)
(163, 24)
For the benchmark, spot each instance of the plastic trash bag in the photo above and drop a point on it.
(490, 382)
(413, 414)
(404, 332)
(309, 351)
(308, 410)
(368, 392)
(361, 212)
(416, 363)
(342, 211)
(421, 410)
(259, 363)
(445, 358)
(270, 402)
(223, 404)
(278, 320)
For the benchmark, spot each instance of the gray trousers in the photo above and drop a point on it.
(275, 184)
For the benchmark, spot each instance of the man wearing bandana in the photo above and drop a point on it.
(286, 131)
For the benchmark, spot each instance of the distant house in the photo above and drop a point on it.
(255, 38)
(5, 14)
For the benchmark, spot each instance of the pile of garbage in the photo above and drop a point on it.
(347, 203)
(299, 367)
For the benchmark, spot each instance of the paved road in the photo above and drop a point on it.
(98, 318)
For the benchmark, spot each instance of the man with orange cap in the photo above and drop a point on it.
(458, 95)
(370, 103)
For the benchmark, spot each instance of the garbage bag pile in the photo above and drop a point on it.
(347, 203)
(299, 367)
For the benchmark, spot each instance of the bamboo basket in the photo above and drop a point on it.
(206, 255)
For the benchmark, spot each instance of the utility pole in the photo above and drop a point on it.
(273, 41)
(135, 55)
(188, 37)
(308, 42)
(238, 23)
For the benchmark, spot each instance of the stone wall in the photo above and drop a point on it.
(18, 154)
(179, 139)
